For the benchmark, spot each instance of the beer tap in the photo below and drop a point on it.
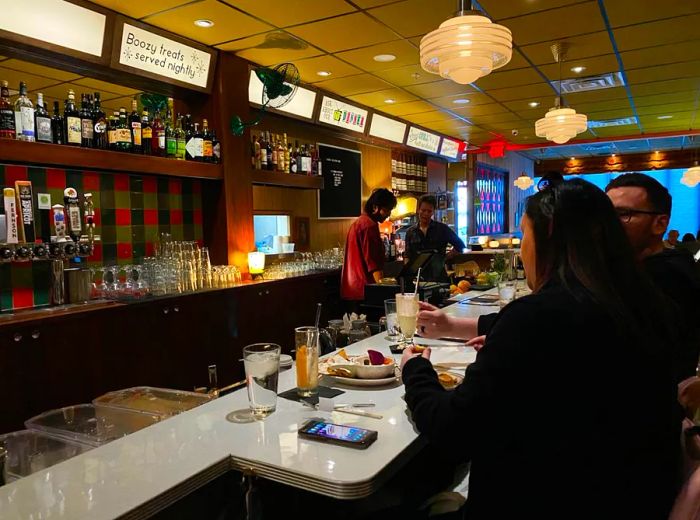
(70, 198)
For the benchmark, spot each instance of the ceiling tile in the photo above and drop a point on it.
(39, 70)
(626, 13)
(524, 92)
(659, 55)
(658, 33)
(140, 9)
(674, 109)
(662, 99)
(616, 131)
(593, 96)
(690, 69)
(103, 86)
(602, 115)
(366, 4)
(378, 99)
(344, 32)
(475, 99)
(34, 83)
(505, 117)
(406, 54)
(291, 12)
(309, 68)
(474, 112)
(272, 48)
(414, 107)
(665, 87)
(498, 9)
(517, 61)
(581, 47)
(553, 24)
(594, 66)
(405, 76)
(415, 17)
(439, 89)
(428, 117)
(597, 106)
(229, 24)
(352, 85)
(509, 78)
(60, 92)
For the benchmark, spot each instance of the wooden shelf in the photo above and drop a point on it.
(287, 180)
(85, 158)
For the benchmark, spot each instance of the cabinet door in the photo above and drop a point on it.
(14, 384)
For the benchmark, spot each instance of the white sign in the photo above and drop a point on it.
(449, 148)
(387, 128)
(150, 52)
(302, 104)
(423, 140)
(57, 22)
(337, 113)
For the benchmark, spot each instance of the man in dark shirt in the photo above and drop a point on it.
(644, 207)
(364, 249)
(429, 234)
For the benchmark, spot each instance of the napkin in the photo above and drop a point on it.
(347, 321)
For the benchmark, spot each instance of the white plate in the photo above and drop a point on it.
(352, 381)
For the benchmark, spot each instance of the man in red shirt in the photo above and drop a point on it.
(364, 249)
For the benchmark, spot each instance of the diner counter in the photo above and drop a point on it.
(146, 471)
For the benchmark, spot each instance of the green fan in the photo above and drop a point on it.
(279, 86)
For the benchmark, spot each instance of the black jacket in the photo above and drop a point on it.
(560, 416)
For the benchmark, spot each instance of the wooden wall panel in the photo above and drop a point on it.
(660, 160)
(437, 175)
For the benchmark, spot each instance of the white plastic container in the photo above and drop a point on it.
(163, 402)
(288, 248)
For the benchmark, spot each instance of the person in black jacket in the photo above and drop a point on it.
(569, 411)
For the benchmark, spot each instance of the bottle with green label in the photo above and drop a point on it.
(123, 133)
(170, 138)
(180, 139)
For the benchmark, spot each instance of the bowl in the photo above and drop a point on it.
(361, 371)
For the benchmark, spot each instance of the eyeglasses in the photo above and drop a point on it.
(626, 214)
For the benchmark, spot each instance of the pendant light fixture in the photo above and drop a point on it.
(524, 181)
(466, 47)
(691, 177)
(560, 123)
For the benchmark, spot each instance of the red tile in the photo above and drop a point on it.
(91, 182)
(150, 185)
(176, 216)
(175, 186)
(121, 182)
(98, 217)
(200, 242)
(22, 297)
(196, 186)
(124, 251)
(197, 216)
(97, 253)
(56, 179)
(16, 173)
(122, 217)
(150, 217)
(150, 250)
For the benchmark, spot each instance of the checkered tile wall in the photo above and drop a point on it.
(130, 213)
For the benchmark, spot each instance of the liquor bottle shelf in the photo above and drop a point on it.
(60, 155)
(287, 180)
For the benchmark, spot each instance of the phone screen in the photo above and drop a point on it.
(338, 434)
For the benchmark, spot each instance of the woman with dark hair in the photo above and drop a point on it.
(569, 409)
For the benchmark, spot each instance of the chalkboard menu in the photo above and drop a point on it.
(341, 196)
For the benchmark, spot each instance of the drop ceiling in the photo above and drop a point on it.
(655, 46)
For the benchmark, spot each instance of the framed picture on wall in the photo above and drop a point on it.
(301, 234)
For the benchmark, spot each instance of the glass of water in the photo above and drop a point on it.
(506, 292)
(262, 367)
(392, 321)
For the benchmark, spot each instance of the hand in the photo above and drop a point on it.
(432, 322)
(408, 354)
(477, 342)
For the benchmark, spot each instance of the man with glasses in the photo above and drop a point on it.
(644, 208)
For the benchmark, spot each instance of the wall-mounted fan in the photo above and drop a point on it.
(279, 86)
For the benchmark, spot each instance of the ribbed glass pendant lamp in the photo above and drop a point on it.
(466, 47)
(560, 124)
(524, 181)
(691, 177)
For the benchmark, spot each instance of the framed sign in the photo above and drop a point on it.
(158, 55)
(422, 140)
(343, 115)
(449, 148)
(341, 196)
(302, 104)
(387, 128)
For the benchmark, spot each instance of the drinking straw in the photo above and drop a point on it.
(415, 291)
(318, 322)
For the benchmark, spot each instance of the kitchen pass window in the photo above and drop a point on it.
(271, 231)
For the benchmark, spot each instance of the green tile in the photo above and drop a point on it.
(138, 233)
(176, 230)
(124, 234)
(122, 199)
(150, 201)
(151, 233)
(175, 202)
(136, 200)
(22, 275)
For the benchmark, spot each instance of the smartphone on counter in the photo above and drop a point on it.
(350, 436)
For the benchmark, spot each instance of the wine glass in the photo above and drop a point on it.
(406, 314)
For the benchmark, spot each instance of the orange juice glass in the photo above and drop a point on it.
(307, 348)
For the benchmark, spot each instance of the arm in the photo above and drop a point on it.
(373, 251)
(434, 323)
(377, 275)
(455, 241)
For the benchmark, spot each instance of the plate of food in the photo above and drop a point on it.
(371, 369)
(449, 380)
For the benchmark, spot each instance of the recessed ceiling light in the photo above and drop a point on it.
(461, 101)
(204, 23)
(324, 73)
(578, 70)
(533, 104)
(384, 57)
(390, 101)
(664, 117)
(573, 158)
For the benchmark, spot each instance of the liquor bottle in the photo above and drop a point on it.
(146, 133)
(275, 155)
(170, 139)
(287, 153)
(180, 139)
(99, 120)
(263, 152)
(24, 115)
(72, 119)
(315, 163)
(207, 143)
(215, 148)
(87, 130)
(257, 152)
(7, 114)
(123, 133)
(280, 155)
(293, 157)
(192, 151)
(135, 126)
(42, 121)
(253, 145)
(57, 125)
(112, 130)
(306, 161)
(158, 142)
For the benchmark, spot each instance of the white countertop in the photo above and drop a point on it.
(201, 444)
